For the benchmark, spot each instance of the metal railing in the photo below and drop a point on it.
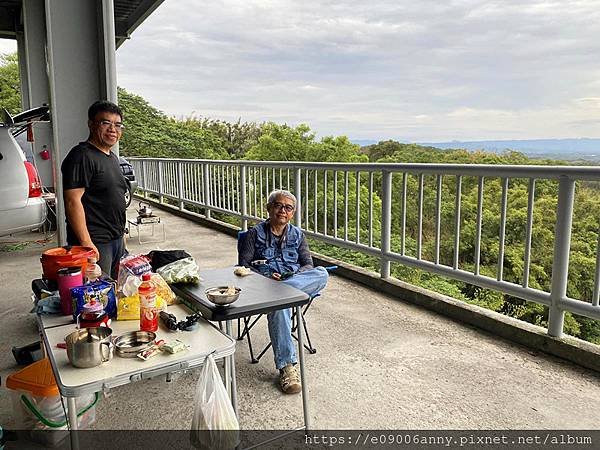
(357, 206)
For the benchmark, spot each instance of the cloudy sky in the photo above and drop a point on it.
(409, 70)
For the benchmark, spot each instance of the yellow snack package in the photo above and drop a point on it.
(128, 308)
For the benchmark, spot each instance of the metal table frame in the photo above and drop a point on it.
(73, 382)
(259, 295)
(133, 223)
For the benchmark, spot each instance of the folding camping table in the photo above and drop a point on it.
(73, 382)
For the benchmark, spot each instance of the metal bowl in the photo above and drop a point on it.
(128, 345)
(219, 296)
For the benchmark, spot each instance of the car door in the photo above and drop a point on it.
(14, 182)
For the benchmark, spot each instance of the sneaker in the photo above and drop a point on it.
(289, 380)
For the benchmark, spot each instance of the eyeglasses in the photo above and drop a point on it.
(288, 208)
(107, 124)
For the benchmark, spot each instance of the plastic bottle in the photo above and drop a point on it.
(148, 311)
(92, 271)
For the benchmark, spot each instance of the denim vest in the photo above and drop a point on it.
(281, 256)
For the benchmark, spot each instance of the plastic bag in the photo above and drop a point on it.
(131, 269)
(182, 271)
(160, 258)
(214, 423)
(163, 290)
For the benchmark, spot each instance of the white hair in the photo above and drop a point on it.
(274, 195)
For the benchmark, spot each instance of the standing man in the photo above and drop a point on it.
(94, 188)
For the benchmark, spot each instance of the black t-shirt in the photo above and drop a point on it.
(104, 199)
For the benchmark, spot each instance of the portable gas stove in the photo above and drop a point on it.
(147, 217)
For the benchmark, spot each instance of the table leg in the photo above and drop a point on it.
(232, 381)
(72, 414)
(305, 408)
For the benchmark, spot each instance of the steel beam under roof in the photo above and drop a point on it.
(129, 14)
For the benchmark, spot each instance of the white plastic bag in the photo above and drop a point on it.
(181, 271)
(214, 424)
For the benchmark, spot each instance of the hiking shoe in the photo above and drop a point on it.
(289, 380)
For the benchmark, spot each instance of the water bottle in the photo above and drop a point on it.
(148, 311)
(93, 271)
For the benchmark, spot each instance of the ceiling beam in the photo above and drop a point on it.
(124, 29)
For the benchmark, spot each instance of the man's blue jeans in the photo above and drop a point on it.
(280, 322)
(110, 254)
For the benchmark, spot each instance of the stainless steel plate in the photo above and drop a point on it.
(128, 345)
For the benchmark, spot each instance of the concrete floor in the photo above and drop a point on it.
(381, 363)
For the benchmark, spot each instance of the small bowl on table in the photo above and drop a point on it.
(223, 295)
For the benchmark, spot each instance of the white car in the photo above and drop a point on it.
(22, 207)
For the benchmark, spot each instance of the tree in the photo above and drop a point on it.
(149, 132)
(10, 85)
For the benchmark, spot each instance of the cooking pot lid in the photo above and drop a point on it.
(69, 251)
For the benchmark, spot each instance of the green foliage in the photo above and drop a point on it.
(149, 132)
(285, 143)
(10, 85)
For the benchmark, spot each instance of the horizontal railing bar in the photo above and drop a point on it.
(462, 275)
(487, 170)
(579, 307)
(477, 280)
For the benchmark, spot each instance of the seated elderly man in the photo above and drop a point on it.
(279, 250)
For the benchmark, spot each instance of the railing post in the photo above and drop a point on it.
(298, 194)
(144, 178)
(243, 206)
(207, 196)
(160, 182)
(386, 221)
(179, 186)
(560, 263)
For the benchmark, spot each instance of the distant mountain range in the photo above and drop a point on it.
(566, 149)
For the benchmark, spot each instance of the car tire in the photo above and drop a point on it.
(128, 195)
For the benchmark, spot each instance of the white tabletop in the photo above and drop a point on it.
(74, 381)
(54, 320)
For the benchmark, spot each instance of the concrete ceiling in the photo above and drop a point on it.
(129, 14)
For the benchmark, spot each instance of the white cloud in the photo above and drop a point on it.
(426, 70)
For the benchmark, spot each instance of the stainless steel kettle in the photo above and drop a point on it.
(145, 210)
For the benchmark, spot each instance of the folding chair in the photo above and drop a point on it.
(249, 322)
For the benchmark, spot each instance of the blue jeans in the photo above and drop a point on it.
(110, 254)
(280, 322)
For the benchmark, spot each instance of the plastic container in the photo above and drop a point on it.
(148, 310)
(93, 271)
(59, 257)
(37, 406)
(68, 277)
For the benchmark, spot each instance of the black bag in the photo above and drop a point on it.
(160, 258)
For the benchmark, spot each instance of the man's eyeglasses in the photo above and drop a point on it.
(108, 124)
(288, 208)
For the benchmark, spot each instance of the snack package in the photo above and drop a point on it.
(128, 308)
(182, 271)
(162, 289)
(101, 290)
(131, 269)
